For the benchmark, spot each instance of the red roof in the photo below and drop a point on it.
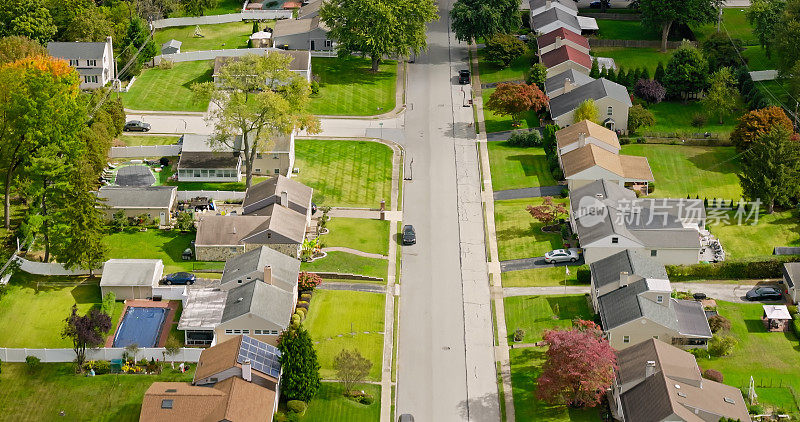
(565, 53)
(565, 34)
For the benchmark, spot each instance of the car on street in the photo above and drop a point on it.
(765, 293)
(136, 126)
(405, 417)
(409, 235)
(561, 255)
(598, 5)
(463, 77)
(180, 278)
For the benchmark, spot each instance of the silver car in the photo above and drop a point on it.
(561, 255)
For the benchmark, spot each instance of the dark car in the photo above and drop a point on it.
(409, 235)
(405, 417)
(180, 278)
(764, 293)
(136, 126)
(463, 77)
(598, 4)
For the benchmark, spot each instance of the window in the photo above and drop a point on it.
(615, 240)
(274, 332)
(626, 339)
(256, 332)
(237, 331)
(232, 248)
(73, 62)
(228, 331)
(245, 331)
(91, 62)
(277, 171)
(90, 79)
(258, 155)
(239, 281)
(258, 170)
(660, 299)
(328, 43)
(654, 253)
(610, 110)
(166, 404)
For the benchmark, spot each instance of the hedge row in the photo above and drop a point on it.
(752, 268)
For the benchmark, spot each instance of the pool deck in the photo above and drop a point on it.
(172, 305)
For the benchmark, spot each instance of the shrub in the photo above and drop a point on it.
(33, 363)
(584, 276)
(719, 323)
(502, 49)
(165, 64)
(721, 345)
(308, 281)
(1, 366)
(650, 91)
(756, 409)
(537, 75)
(366, 399)
(651, 187)
(305, 297)
(564, 232)
(792, 310)
(297, 406)
(796, 326)
(301, 312)
(296, 320)
(564, 192)
(519, 334)
(314, 88)
(107, 306)
(624, 141)
(753, 268)
(699, 353)
(639, 117)
(641, 140)
(699, 120)
(524, 138)
(101, 367)
(713, 375)
(302, 304)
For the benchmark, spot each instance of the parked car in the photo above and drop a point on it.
(598, 5)
(765, 293)
(405, 417)
(136, 126)
(180, 278)
(561, 255)
(463, 77)
(409, 235)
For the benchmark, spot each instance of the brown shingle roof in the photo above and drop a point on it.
(246, 401)
(565, 53)
(564, 34)
(571, 134)
(218, 358)
(636, 167)
(216, 230)
(629, 167)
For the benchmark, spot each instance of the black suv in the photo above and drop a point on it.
(409, 235)
(463, 77)
(180, 278)
(136, 126)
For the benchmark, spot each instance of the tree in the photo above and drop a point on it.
(259, 99)
(721, 345)
(87, 331)
(88, 25)
(686, 72)
(756, 123)
(17, 47)
(595, 71)
(307, 281)
(133, 350)
(650, 91)
(537, 75)
(719, 323)
(722, 51)
(351, 368)
(722, 94)
(198, 7)
(771, 168)
(764, 16)
(587, 110)
(502, 49)
(785, 36)
(579, 367)
(473, 19)
(378, 28)
(151, 10)
(659, 75)
(665, 13)
(639, 116)
(28, 18)
(184, 222)
(548, 212)
(300, 377)
(515, 100)
(137, 36)
(171, 349)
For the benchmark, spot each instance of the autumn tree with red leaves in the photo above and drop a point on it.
(757, 123)
(548, 212)
(579, 368)
(515, 100)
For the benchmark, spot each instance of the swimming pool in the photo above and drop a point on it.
(141, 326)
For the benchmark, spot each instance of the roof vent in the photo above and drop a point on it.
(598, 195)
(239, 300)
(234, 229)
(171, 390)
(677, 386)
(729, 400)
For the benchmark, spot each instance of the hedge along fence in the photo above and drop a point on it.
(751, 268)
(601, 42)
(713, 141)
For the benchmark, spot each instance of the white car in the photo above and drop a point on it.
(561, 255)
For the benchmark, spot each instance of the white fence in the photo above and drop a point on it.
(215, 19)
(50, 268)
(106, 353)
(218, 195)
(193, 56)
(145, 151)
(171, 293)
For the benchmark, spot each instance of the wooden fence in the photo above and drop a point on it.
(600, 42)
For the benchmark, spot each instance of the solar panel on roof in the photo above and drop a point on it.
(262, 356)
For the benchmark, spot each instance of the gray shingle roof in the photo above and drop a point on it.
(76, 50)
(677, 238)
(535, 4)
(557, 82)
(209, 160)
(621, 305)
(791, 272)
(595, 90)
(607, 270)
(692, 320)
(285, 269)
(786, 250)
(555, 15)
(268, 192)
(647, 401)
(138, 197)
(131, 272)
(172, 43)
(260, 299)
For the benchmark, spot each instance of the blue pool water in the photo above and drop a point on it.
(141, 326)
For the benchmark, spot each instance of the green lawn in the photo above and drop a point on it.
(334, 315)
(497, 123)
(516, 71)
(135, 140)
(757, 58)
(346, 173)
(625, 30)
(330, 405)
(534, 314)
(740, 241)
(34, 308)
(348, 87)
(358, 233)
(634, 57)
(517, 167)
(691, 170)
(152, 244)
(56, 387)
(223, 7)
(540, 277)
(775, 91)
(169, 89)
(767, 357)
(734, 21)
(518, 234)
(674, 117)
(526, 365)
(215, 37)
(347, 263)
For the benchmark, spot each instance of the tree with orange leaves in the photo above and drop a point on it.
(516, 99)
(757, 123)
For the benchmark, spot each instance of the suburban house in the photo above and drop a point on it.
(279, 160)
(584, 133)
(539, 6)
(565, 82)
(554, 18)
(200, 162)
(791, 278)
(559, 37)
(94, 61)
(154, 201)
(278, 190)
(609, 218)
(262, 264)
(300, 64)
(235, 381)
(611, 99)
(131, 279)
(589, 162)
(621, 269)
(565, 58)
(302, 34)
(172, 46)
(658, 382)
(202, 312)
(259, 309)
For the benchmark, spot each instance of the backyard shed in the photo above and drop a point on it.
(776, 317)
(171, 47)
(131, 278)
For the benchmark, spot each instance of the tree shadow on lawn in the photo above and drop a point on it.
(701, 161)
(570, 307)
(204, 77)
(527, 162)
(754, 326)
(86, 293)
(176, 245)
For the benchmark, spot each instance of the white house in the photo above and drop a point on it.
(94, 61)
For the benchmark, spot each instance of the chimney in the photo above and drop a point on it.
(649, 368)
(568, 85)
(581, 140)
(285, 199)
(559, 42)
(623, 278)
(268, 274)
(247, 373)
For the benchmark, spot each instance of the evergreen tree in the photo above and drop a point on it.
(645, 74)
(771, 168)
(612, 75)
(595, 72)
(300, 378)
(659, 75)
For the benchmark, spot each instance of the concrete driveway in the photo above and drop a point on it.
(727, 292)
